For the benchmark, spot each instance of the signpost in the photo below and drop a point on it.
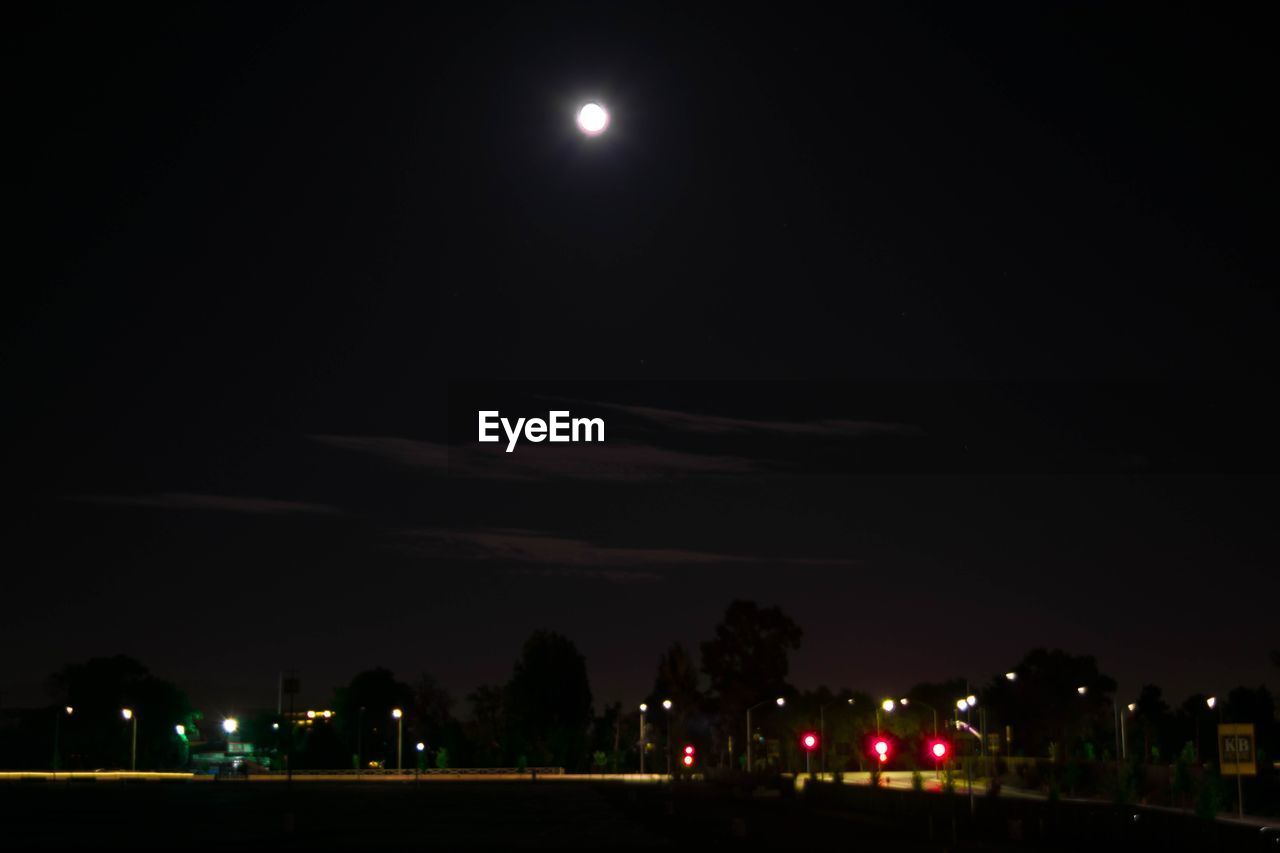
(1237, 756)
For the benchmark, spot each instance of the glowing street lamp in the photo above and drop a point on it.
(180, 730)
(1212, 702)
(887, 706)
(644, 743)
(399, 718)
(230, 725)
(1082, 690)
(57, 725)
(666, 706)
(1011, 676)
(132, 718)
(780, 702)
(593, 119)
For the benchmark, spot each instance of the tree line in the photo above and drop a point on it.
(1052, 705)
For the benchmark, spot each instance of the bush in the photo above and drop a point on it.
(917, 781)
(1210, 800)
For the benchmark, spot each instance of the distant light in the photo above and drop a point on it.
(70, 710)
(962, 704)
(810, 741)
(643, 707)
(887, 705)
(1082, 690)
(397, 713)
(311, 715)
(275, 726)
(420, 746)
(781, 701)
(972, 700)
(1211, 702)
(850, 701)
(882, 747)
(230, 724)
(666, 704)
(904, 702)
(1133, 706)
(688, 750)
(939, 749)
(181, 730)
(328, 714)
(127, 713)
(1012, 676)
(688, 760)
(593, 119)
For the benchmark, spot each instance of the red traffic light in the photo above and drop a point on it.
(688, 759)
(881, 746)
(810, 741)
(939, 749)
(688, 750)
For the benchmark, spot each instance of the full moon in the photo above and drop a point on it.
(592, 119)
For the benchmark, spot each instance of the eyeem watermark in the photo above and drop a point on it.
(558, 426)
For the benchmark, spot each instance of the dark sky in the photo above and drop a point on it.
(951, 330)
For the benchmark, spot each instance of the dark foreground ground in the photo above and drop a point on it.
(565, 815)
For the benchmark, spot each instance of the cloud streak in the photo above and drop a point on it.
(719, 424)
(212, 503)
(550, 555)
(616, 461)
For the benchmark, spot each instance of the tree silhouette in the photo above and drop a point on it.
(549, 702)
(748, 659)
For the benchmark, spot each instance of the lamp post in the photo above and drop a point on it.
(886, 706)
(666, 707)
(132, 718)
(906, 701)
(780, 702)
(644, 740)
(67, 710)
(399, 718)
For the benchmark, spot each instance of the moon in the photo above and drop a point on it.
(593, 119)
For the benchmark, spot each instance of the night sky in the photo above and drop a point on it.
(952, 331)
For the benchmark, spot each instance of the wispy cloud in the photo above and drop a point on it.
(617, 460)
(703, 423)
(561, 556)
(214, 503)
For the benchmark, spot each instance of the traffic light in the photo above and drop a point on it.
(881, 747)
(939, 749)
(809, 741)
(688, 756)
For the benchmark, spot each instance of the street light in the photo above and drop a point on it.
(230, 725)
(1212, 702)
(57, 725)
(1011, 676)
(644, 742)
(780, 702)
(132, 718)
(886, 706)
(666, 706)
(904, 702)
(399, 717)
(180, 730)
